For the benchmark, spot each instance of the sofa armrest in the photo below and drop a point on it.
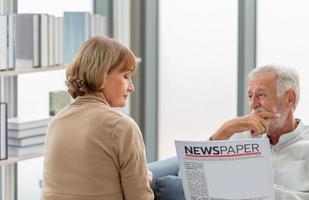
(163, 168)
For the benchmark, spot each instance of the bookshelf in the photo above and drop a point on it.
(9, 78)
(32, 70)
(37, 47)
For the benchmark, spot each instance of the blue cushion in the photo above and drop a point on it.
(169, 188)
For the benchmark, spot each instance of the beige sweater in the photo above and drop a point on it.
(94, 153)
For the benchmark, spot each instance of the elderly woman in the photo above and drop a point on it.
(92, 151)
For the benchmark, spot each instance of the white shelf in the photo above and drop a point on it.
(15, 159)
(32, 70)
(40, 69)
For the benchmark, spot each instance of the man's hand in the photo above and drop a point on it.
(150, 176)
(256, 123)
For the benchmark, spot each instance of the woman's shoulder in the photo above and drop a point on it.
(125, 124)
(127, 121)
(126, 134)
(117, 118)
(115, 113)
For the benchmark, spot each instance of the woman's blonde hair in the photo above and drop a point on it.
(97, 57)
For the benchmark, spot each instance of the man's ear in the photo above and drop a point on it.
(291, 97)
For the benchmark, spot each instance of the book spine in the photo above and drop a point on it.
(76, 32)
(11, 41)
(3, 42)
(51, 40)
(60, 40)
(36, 40)
(44, 40)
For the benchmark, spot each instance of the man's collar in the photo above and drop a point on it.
(289, 137)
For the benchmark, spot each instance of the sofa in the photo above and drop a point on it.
(166, 183)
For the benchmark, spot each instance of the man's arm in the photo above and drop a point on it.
(255, 122)
(283, 193)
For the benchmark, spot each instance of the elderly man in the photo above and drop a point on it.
(273, 96)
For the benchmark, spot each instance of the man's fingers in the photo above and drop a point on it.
(267, 115)
(257, 128)
(150, 176)
(265, 124)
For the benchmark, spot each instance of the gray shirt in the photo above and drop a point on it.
(290, 161)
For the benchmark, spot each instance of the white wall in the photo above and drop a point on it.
(283, 30)
(197, 69)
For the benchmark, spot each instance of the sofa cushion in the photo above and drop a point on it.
(169, 188)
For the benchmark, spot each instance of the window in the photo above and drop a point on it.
(197, 69)
(283, 39)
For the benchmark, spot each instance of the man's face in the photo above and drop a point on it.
(262, 93)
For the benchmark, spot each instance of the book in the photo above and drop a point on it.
(76, 32)
(44, 52)
(36, 40)
(56, 41)
(98, 25)
(11, 41)
(51, 40)
(28, 150)
(3, 131)
(28, 141)
(21, 124)
(93, 25)
(103, 24)
(3, 42)
(57, 101)
(60, 40)
(26, 33)
(226, 169)
(24, 133)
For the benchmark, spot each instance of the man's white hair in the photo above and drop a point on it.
(287, 79)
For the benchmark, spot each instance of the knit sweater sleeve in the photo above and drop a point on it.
(128, 145)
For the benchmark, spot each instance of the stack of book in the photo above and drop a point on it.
(42, 40)
(3, 132)
(26, 136)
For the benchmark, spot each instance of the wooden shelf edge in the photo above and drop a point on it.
(40, 69)
(32, 70)
(15, 159)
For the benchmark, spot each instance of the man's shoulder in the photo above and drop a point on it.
(305, 132)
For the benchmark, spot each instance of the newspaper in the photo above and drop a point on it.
(226, 169)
